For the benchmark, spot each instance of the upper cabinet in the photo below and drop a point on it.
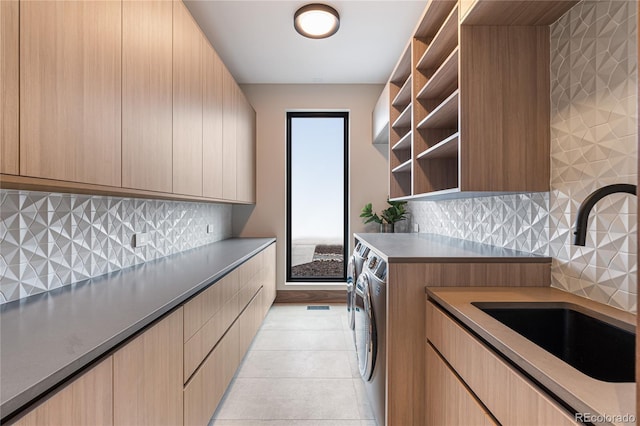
(245, 151)
(212, 164)
(70, 91)
(469, 104)
(188, 45)
(229, 133)
(9, 77)
(120, 97)
(147, 97)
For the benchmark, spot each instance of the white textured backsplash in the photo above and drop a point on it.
(51, 240)
(594, 138)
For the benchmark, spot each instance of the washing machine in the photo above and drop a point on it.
(370, 331)
(354, 269)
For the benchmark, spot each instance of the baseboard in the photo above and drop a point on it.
(311, 296)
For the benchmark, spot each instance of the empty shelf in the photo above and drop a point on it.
(403, 143)
(443, 80)
(404, 120)
(442, 44)
(403, 168)
(403, 97)
(447, 148)
(444, 115)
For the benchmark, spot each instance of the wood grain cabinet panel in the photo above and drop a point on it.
(9, 86)
(212, 164)
(188, 44)
(88, 400)
(488, 375)
(246, 150)
(147, 97)
(70, 90)
(229, 118)
(205, 389)
(449, 402)
(147, 376)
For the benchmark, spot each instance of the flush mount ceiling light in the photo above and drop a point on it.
(316, 21)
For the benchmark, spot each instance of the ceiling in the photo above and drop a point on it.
(257, 41)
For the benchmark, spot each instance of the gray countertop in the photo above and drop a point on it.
(415, 247)
(48, 337)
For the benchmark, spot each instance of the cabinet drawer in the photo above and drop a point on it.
(207, 386)
(510, 397)
(199, 310)
(449, 402)
(198, 346)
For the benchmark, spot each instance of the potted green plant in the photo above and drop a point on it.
(388, 217)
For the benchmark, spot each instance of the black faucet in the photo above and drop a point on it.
(590, 201)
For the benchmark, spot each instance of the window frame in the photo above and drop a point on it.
(345, 243)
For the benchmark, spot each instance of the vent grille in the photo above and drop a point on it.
(317, 308)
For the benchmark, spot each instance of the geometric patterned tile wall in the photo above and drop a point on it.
(517, 221)
(49, 240)
(594, 77)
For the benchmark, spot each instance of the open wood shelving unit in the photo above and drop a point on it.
(469, 100)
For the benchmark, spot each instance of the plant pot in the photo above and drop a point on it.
(386, 227)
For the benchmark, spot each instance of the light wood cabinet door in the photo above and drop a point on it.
(229, 117)
(147, 103)
(448, 400)
(88, 400)
(246, 151)
(207, 386)
(187, 102)
(9, 77)
(212, 125)
(147, 376)
(70, 90)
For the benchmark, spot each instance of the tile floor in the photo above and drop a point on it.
(300, 370)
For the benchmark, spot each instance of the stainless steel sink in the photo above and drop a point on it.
(600, 347)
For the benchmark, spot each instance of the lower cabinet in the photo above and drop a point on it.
(509, 397)
(147, 376)
(87, 400)
(449, 402)
(176, 371)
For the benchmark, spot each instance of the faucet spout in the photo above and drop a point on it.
(590, 201)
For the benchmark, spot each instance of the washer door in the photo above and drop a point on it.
(365, 327)
(351, 278)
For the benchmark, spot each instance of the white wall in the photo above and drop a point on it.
(367, 164)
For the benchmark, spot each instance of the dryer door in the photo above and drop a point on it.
(365, 327)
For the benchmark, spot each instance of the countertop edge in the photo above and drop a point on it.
(512, 355)
(14, 405)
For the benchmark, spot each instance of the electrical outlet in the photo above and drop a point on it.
(140, 239)
(416, 227)
(210, 229)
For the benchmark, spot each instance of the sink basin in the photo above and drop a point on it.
(599, 349)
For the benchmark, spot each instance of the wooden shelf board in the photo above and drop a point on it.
(403, 168)
(447, 148)
(402, 71)
(403, 143)
(444, 115)
(442, 79)
(403, 98)
(404, 120)
(443, 42)
(516, 12)
(433, 17)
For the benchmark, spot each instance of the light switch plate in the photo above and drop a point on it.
(140, 239)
